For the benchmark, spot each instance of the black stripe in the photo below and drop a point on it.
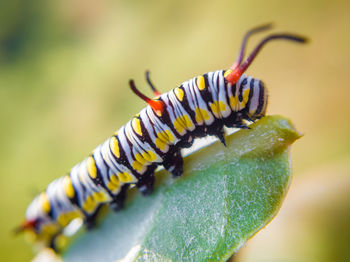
(107, 171)
(240, 93)
(218, 81)
(251, 93)
(166, 117)
(75, 199)
(186, 104)
(98, 179)
(123, 159)
(234, 87)
(261, 98)
(206, 94)
(206, 83)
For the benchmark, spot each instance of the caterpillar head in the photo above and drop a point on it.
(26, 225)
(38, 224)
(257, 104)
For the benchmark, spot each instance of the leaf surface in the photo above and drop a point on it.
(225, 196)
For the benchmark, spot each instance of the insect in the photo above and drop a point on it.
(199, 107)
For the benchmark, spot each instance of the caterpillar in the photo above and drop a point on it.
(199, 107)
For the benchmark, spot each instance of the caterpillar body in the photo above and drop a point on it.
(201, 106)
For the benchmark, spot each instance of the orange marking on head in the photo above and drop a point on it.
(27, 224)
(157, 94)
(234, 76)
(235, 66)
(157, 105)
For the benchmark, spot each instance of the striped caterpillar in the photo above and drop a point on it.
(199, 107)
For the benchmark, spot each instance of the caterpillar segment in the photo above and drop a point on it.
(199, 107)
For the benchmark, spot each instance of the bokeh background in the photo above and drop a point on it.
(64, 69)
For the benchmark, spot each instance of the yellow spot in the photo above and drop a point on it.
(89, 204)
(179, 125)
(222, 106)
(136, 125)
(233, 102)
(200, 82)
(165, 136)
(215, 107)
(179, 93)
(205, 114)
(187, 121)
(99, 197)
(149, 156)
(227, 72)
(112, 187)
(45, 202)
(74, 214)
(91, 167)
(169, 135)
(125, 177)
(160, 144)
(115, 146)
(199, 118)
(63, 219)
(159, 113)
(60, 242)
(137, 166)
(246, 95)
(139, 158)
(116, 133)
(113, 184)
(68, 187)
(201, 114)
(50, 229)
(114, 179)
(183, 122)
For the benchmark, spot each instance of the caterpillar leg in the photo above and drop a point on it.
(239, 122)
(241, 125)
(187, 143)
(118, 201)
(90, 220)
(174, 164)
(220, 134)
(146, 184)
(218, 131)
(53, 244)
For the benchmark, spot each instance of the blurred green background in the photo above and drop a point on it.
(64, 69)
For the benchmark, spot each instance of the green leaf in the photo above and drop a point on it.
(225, 196)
